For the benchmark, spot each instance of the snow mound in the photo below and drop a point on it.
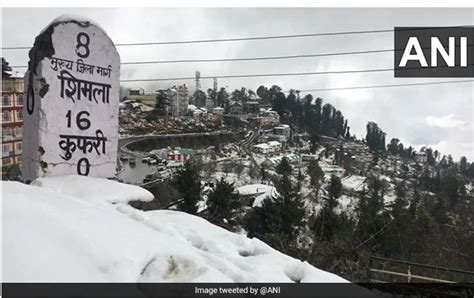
(95, 189)
(53, 231)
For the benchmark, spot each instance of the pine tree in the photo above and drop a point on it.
(222, 98)
(188, 183)
(161, 101)
(199, 98)
(284, 167)
(370, 208)
(223, 201)
(316, 174)
(277, 220)
(335, 191)
(463, 165)
(375, 137)
(327, 120)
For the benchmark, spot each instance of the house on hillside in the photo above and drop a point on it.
(254, 194)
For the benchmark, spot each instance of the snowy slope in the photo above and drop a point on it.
(78, 229)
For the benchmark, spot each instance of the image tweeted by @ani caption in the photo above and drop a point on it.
(235, 290)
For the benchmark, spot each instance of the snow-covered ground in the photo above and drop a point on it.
(71, 229)
(259, 191)
(353, 182)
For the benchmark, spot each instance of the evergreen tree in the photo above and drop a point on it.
(370, 207)
(277, 220)
(264, 95)
(188, 183)
(280, 103)
(470, 170)
(375, 137)
(284, 167)
(393, 146)
(199, 98)
(317, 112)
(334, 191)
(223, 201)
(222, 98)
(316, 174)
(326, 120)
(263, 173)
(463, 165)
(161, 101)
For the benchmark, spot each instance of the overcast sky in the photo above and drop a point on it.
(439, 116)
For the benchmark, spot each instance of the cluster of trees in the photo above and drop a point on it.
(433, 159)
(395, 147)
(222, 201)
(375, 137)
(278, 220)
(307, 113)
(412, 227)
(427, 222)
(419, 225)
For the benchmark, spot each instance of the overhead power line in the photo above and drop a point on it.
(246, 58)
(274, 74)
(258, 58)
(299, 56)
(234, 39)
(261, 75)
(388, 86)
(268, 37)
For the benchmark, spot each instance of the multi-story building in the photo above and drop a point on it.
(178, 97)
(139, 94)
(12, 119)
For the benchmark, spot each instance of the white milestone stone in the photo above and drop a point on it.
(71, 111)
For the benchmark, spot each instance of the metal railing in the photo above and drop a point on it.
(409, 272)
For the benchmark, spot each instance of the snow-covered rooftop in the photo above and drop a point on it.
(16, 74)
(260, 191)
(66, 229)
(274, 143)
(262, 146)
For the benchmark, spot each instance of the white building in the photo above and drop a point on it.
(195, 111)
(270, 147)
(274, 161)
(218, 111)
(255, 194)
(178, 100)
(274, 146)
(283, 130)
(421, 157)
